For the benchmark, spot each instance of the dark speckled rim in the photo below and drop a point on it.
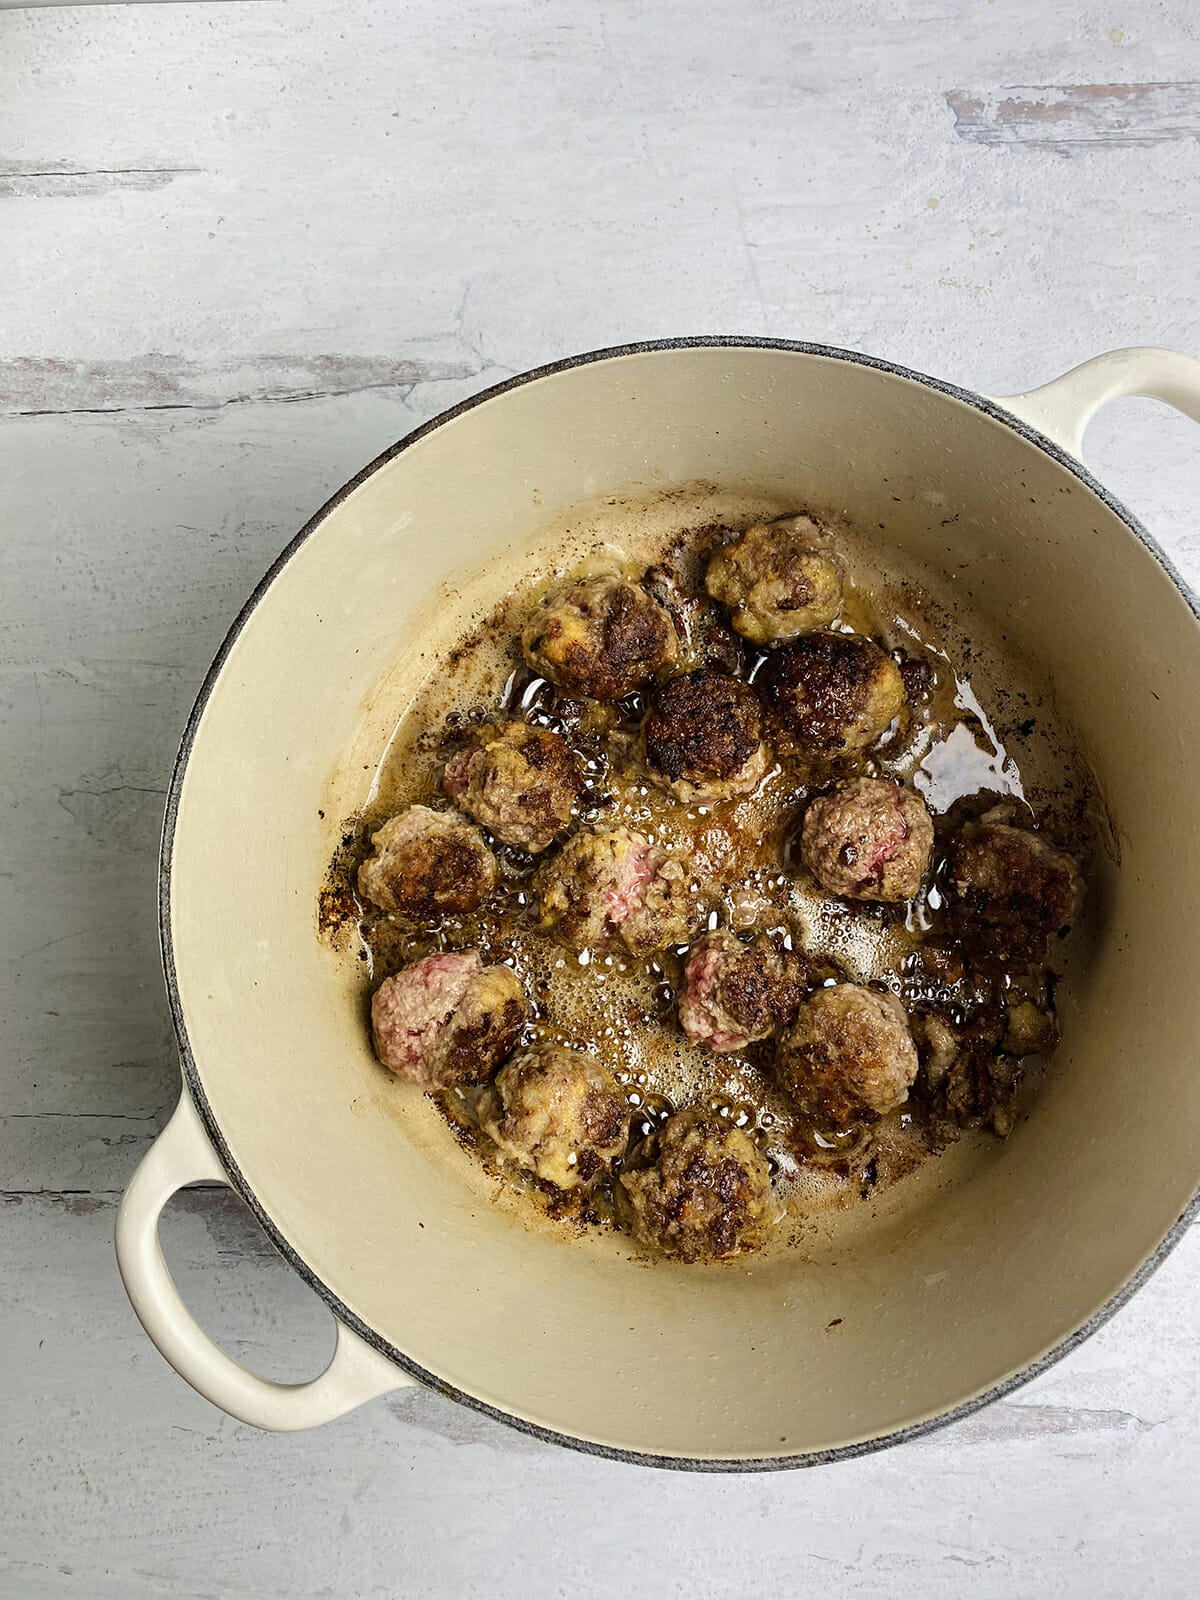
(192, 1077)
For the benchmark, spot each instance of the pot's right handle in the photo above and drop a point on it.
(1063, 408)
(183, 1154)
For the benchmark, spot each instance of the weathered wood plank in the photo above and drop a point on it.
(33, 386)
(56, 180)
(1067, 116)
(125, 1478)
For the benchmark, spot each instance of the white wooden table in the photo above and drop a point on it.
(246, 245)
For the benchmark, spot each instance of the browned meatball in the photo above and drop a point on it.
(1010, 893)
(849, 1057)
(615, 884)
(521, 782)
(558, 1113)
(702, 737)
(779, 580)
(447, 1019)
(870, 839)
(601, 639)
(735, 993)
(427, 864)
(834, 693)
(706, 1194)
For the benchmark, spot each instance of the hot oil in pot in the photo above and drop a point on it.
(623, 1008)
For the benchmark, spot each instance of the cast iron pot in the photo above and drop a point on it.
(920, 1314)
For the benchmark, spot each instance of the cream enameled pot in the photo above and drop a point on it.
(921, 1312)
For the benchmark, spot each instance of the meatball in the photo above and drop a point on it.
(558, 1113)
(615, 884)
(601, 639)
(870, 839)
(834, 693)
(735, 993)
(706, 1194)
(849, 1057)
(779, 580)
(702, 737)
(447, 1019)
(1010, 892)
(521, 782)
(427, 864)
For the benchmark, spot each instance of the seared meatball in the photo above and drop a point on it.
(427, 864)
(601, 639)
(707, 1193)
(447, 1019)
(521, 782)
(870, 839)
(558, 1113)
(1010, 892)
(849, 1057)
(615, 884)
(734, 993)
(834, 693)
(779, 580)
(702, 737)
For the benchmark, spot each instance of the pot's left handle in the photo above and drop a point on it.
(183, 1154)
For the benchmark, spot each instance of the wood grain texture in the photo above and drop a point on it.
(1068, 115)
(38, 387)
(56, 180)
(247, 246)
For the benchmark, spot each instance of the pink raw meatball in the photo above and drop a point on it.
(735, 993)
(869, 839)
(447, 1019)
(615, 884)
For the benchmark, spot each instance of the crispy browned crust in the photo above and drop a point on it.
(779, 579)
(822, 686)
(1011, 892)
(551, 1104)
(702, 724)
(629, 639)
(761, 987)
(917, 677)
(706, 1194)
(849, 1057)
(521, 782)
(481, 1040)
(444, 875)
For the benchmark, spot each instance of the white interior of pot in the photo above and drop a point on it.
(964, 1275)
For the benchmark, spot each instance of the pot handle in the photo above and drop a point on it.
(183, 1154)
(1063, 408)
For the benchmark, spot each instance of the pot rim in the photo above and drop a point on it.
(191, 1076)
